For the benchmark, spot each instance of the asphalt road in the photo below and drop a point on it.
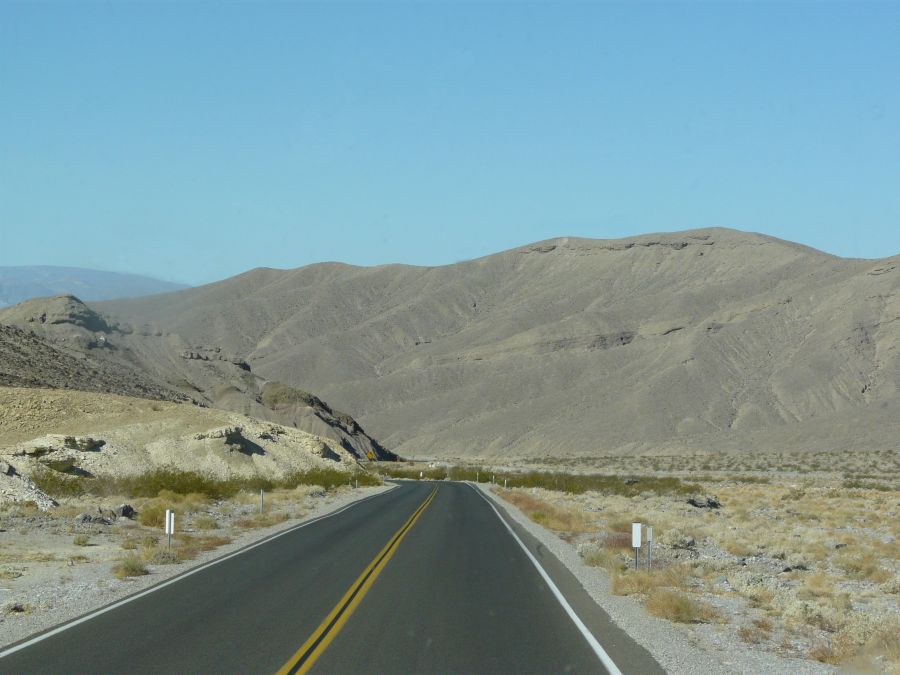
(425, 578)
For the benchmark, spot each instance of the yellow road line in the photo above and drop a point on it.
(304, 658)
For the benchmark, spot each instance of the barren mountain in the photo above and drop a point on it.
(68, 345)
(27, 360)
(23, 283)
(692, 341)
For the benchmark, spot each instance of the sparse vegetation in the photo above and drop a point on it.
(130, 566)
(81, 540)
(573, 483)
(169, 483)
(678, 607)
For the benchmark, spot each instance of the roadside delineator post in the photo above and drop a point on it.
(260, 500)
(636, 541)
(649, 547)
(504, 483)
(170, 525)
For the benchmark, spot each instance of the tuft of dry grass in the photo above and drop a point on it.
(643, 582)
(758, 631)
(606, 558)
(261, 520)
(206, 523)
(130, 566)
(81, 540)
(549, 515)
(678, 607)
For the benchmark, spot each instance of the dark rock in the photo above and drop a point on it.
(7, 469)
(705, 502)
(124, 511)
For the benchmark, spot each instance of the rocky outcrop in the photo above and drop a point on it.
(214, 354)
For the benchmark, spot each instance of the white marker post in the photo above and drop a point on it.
(421, 475)
(636, 541)
(260, 500)
(504, 483)
(170, 525)
(649, 547)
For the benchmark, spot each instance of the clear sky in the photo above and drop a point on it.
(195, 141)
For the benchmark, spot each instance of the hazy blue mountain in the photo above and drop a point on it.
(23, 283)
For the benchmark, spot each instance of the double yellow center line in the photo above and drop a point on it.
(312, 649)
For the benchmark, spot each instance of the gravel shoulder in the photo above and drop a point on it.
(57, 588)
(680, 649)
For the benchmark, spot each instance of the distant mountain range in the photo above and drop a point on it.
(23, 283)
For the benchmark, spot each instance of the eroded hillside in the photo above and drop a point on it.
(695, 340)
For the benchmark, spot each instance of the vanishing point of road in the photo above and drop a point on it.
(425, 578)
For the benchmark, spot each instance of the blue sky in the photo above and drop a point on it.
(194, 141)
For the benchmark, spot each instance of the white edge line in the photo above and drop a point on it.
(183, 575)
(592, 641)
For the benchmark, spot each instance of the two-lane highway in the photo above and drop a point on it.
(425, 578)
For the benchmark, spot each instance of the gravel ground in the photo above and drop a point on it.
(680, 649)
(83, 588)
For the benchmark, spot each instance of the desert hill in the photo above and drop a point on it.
(693, 340)
(27, 360)
(67, 344)
(26, 282)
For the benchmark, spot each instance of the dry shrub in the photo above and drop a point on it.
(759, 596)
(130, 566)
(81, 540)
(185, 503)
(206, 523)
(162, 556)
(816, 585)
(643, 582)
(678, 607)
(547, 515)
(261, 520)
(863, 566)
(758, 631)
(618, 540)
(152, 513)
(606, 558)
(189, 547)
(892, 585)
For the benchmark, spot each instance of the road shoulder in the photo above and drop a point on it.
(663, 641)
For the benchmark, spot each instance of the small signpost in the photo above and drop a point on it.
(649, 547)
(260, 500)
(170, 525)
(504, 483)
(636, 541)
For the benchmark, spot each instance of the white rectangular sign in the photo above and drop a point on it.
(635, 535)
(649, 534)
